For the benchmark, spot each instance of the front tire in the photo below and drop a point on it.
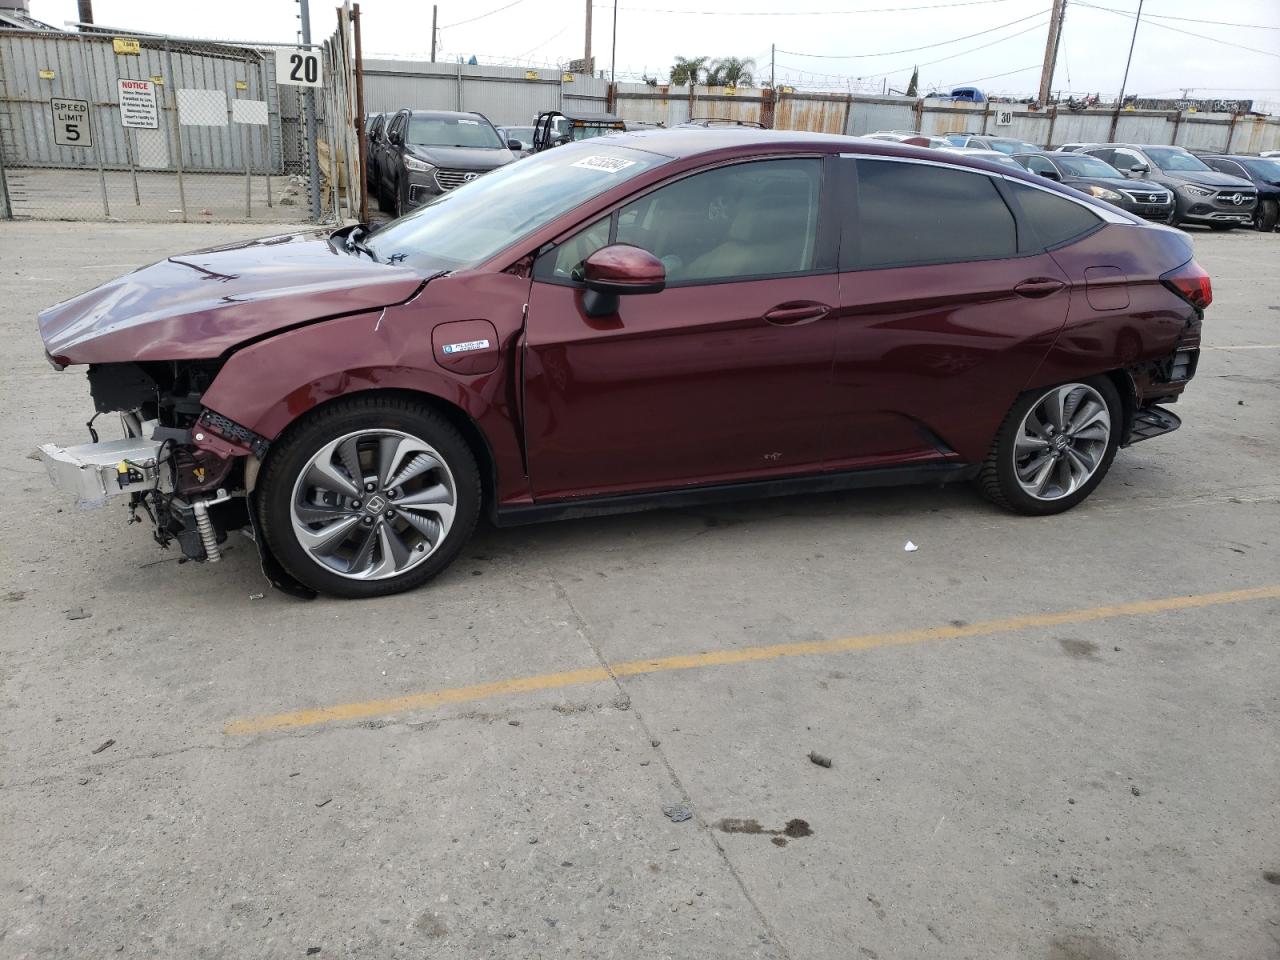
(368, 497)
(1054, 447)
(1267, 214)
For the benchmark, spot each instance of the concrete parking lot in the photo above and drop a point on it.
(1049, 738)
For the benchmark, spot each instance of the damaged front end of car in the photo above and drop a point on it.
(179, 466)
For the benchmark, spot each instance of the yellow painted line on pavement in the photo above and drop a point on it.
(719, 658)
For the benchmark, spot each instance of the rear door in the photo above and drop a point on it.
(722, 376)
(946, 308)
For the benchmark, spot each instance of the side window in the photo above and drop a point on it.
(566, 258)
(753, 219)
(1231, 167)
(910, 213)
(1124, 159)
(956, 139)
(1040, 165)
(1105, 154)
(1055, 219)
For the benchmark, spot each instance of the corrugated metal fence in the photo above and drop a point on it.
(121, 126)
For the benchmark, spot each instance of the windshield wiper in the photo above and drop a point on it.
(353, 243)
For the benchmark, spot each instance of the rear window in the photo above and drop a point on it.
(1055, 219)
(911, 213)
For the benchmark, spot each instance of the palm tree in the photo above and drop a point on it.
(731, 72)
(688, 70)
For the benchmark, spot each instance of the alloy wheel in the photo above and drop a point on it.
(373, 504)
(1061, 441)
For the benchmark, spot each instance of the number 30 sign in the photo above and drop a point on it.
(301, 68)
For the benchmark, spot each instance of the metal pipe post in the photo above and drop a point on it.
(363, 134)
(177, 126)
(309, 108)
(97, 138)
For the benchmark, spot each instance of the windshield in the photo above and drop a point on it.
(1265, 169)
(471, 223)
(523, 134)
(1013, 146)
(452, 132)
(1171, 158)
(1077, 165)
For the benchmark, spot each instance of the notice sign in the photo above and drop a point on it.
(138, 104)
(299, 68)
(71, 122)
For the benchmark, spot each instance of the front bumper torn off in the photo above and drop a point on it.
(92, 473)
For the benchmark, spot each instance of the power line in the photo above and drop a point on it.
(952, 56)
(927, 63)
(1165, 26)
(1216, 23)
(802, 13)
(446, 26)
(929, 46)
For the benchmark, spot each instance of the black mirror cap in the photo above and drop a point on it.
(514, 145)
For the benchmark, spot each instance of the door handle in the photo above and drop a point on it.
(796, 311)
(1038, 287)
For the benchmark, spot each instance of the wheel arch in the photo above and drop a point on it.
(458, 418)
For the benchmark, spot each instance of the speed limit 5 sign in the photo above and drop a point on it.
(71, 122)
(301, 68)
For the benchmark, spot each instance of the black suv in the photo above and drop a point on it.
(1099, 179)
(1264, 174)
(426, 152)
(1200, 194)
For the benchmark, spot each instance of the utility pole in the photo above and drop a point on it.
(613, 57)
(433, 32)
(773, 50)
(1051, 49)
(586, 53)
(309, 105)
(1132, 40)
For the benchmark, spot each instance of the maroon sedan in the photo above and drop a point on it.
(658, 318)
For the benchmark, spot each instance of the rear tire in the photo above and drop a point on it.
(1054, 447)
(369, 496)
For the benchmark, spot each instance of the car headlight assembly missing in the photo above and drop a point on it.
(1102, 193)
(417, 166)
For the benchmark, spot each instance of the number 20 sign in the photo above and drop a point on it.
(301, 68)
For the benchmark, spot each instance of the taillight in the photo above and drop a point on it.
(1191, 283)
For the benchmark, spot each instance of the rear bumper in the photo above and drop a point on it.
(1151, 422)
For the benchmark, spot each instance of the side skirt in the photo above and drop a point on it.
(939, 473)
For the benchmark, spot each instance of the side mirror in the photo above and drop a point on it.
(1051, 175)
(1139, 168)
(514, 145)
(617, 270)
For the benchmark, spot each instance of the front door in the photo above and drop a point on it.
(722, 376)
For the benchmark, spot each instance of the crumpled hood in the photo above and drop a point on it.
(198, 305)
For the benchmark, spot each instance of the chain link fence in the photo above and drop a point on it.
(98, 126)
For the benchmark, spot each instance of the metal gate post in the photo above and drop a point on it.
(171, 83)
(6, 210)
(266, 130)
(97, 139)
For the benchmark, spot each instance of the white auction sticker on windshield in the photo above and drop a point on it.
(607, 164)
(465, 347)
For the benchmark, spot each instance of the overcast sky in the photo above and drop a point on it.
(812, 39)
